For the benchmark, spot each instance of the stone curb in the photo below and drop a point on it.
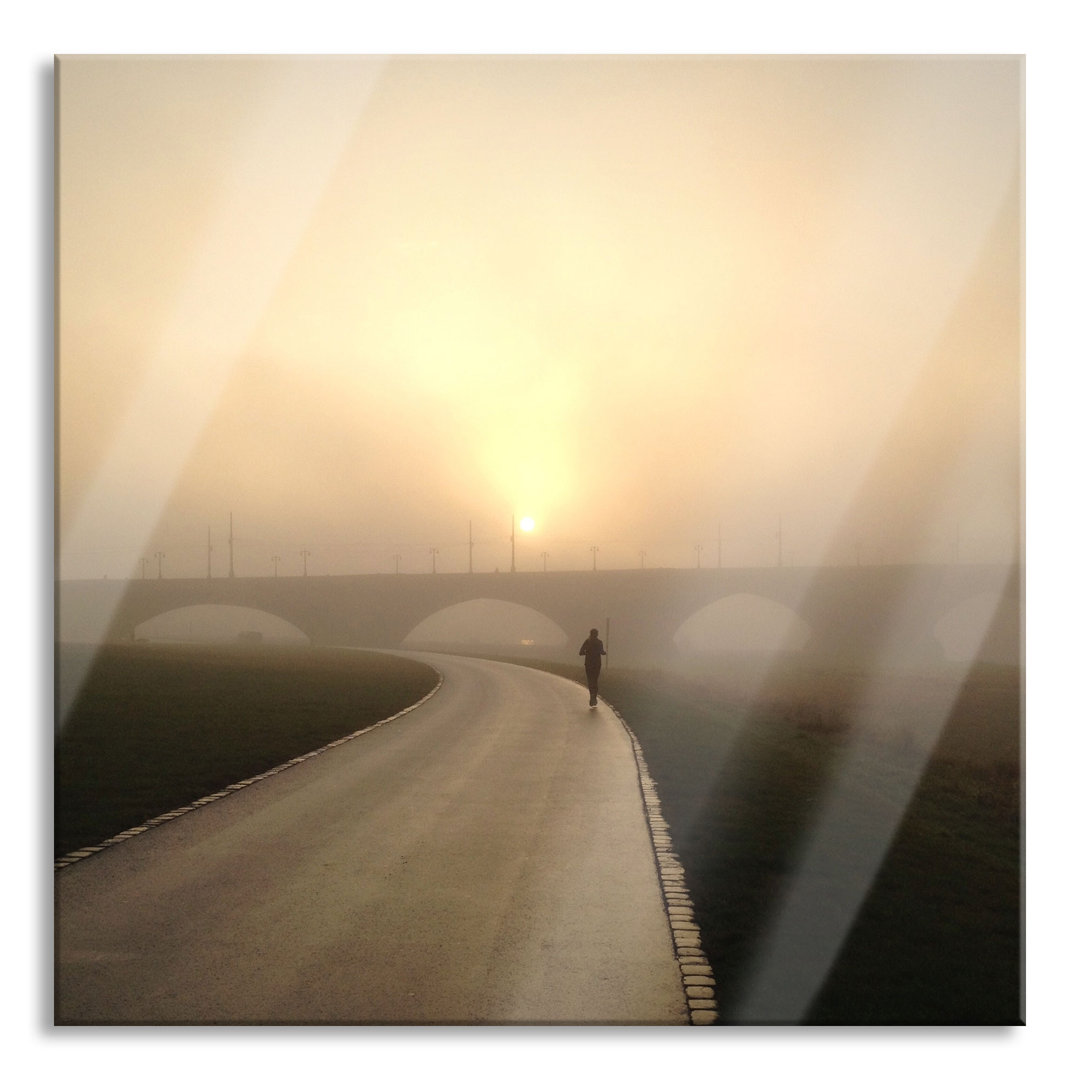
(697, 973)
(161, 819)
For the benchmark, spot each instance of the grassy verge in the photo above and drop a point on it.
(155, 727)
(937, 939)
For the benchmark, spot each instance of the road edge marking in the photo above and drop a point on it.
(171, 815)
(698, 981)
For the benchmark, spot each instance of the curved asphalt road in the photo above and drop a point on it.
(484, 858)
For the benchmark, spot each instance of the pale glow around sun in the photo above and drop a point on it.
(276, 271)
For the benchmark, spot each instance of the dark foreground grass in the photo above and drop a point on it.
(155, 727)
(937, 940)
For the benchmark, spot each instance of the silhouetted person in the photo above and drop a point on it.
(592, 649)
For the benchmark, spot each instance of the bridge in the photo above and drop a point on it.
(853, 613)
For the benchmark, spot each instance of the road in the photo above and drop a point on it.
(482, 859)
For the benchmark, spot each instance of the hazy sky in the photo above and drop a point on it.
(359, 303)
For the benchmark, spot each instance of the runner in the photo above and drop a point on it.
(592, 649)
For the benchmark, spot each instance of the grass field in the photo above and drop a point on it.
(155, 727)
(741, 759)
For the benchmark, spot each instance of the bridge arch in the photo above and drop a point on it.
(485, 622)
(743, 622)
(218, 623)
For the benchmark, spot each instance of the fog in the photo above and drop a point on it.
(735, 309)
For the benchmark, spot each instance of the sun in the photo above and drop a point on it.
(527, 524)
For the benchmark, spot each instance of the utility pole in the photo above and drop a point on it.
(209, 549)
(275, 559)
(697, 548)
(544, 556)
(397, 563)
(433, 552)
(142, 562)
(641, 553)
(304, 555)
(232, 572)
(160, 557)
(594, 549)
